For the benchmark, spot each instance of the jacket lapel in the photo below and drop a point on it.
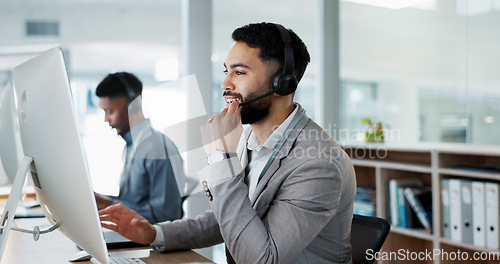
(261, 185)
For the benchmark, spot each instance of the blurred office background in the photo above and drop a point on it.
(428, 69)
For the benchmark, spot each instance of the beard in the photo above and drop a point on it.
(255, 111)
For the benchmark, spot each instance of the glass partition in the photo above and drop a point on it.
(434, 65)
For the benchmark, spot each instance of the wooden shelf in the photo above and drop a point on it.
(431, 163)
(470, 174)
(417, 233)
(383, 154)
(466, 245)
(391, 165)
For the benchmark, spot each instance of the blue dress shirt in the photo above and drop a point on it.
(148, 184)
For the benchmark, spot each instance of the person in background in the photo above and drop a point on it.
(280, 191)
(153, 168)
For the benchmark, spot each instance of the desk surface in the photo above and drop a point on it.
(54, 247)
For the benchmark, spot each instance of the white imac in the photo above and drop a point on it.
(50, 137)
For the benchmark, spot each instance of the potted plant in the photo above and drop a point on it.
(375, 133)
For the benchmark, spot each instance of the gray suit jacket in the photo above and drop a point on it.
(301, 211)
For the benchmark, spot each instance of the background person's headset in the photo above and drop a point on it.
(130, 93)
(284, 82)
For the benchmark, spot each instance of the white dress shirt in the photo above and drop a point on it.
(259, 154)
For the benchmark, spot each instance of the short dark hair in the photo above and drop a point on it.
(267, 37)
(115, 84)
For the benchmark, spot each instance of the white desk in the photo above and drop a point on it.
(54, 247)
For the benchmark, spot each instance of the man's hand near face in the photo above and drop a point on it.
(223, 131)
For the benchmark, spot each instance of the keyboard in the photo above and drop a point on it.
(115, 260)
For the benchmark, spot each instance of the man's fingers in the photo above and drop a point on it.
(109, 211)
(233, 107)
(217, 128)
(110, 218)
(110, 227)
(114, 211)
(105, 211)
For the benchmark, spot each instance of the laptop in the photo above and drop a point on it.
(114, 240)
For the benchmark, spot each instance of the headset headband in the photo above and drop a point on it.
(130, 92)
(288, 60)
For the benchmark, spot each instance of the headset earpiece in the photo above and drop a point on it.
(285, 82)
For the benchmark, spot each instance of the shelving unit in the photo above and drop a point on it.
(375, 164)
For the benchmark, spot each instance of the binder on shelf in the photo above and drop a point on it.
(365, 201)
(492, 215)
(401, 207)
(393, 200)
(420, 200)
(410, 216)
(445, 208)
(455, 210)
(397, 200)
(466, 198)
(364, 208)
(407, 217)
(388, 202)
(478, 214)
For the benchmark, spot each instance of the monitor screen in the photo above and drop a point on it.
(49, 134)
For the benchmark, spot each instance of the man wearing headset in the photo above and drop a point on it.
(281, 191)
(148, 183)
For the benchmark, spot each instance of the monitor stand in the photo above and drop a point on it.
(14, 197)
(9, 211)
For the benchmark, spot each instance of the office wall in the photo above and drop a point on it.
(97, 35)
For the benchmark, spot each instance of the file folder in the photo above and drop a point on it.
(455, 211)
(478, 214)
(445, 208)
(492, 217)
(466, 194)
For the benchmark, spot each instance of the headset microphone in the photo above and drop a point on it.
(119, 124)
(256, 98)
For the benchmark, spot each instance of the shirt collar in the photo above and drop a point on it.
(136, 133)
(254, 144)
(127, 137)
(141, 131)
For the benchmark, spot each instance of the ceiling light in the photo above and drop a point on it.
(392, 4)
(489, 119)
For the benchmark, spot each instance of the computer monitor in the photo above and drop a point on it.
(10, 144)
(49, 134)
(11, 152)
